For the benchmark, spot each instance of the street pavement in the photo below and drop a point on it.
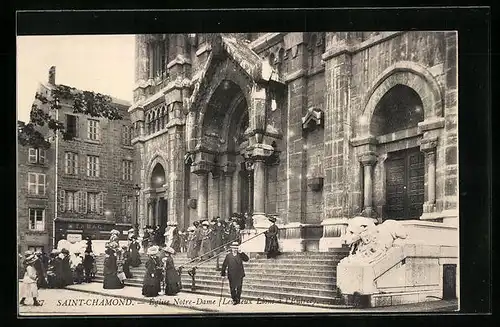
(93, 299)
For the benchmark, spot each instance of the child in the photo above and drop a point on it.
(29, 287)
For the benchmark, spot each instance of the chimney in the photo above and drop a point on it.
(52, 75)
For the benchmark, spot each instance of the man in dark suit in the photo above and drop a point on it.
(235, 271)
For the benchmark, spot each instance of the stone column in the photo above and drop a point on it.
(202, 195)
(228, 190)
(368, 160)
(216, 192)
(428, 146)
(259, 191)
(142, 59)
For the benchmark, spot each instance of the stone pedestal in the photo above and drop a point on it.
(333, 229)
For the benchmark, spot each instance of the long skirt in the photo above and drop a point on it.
(151, 286)
(112, 282)
(172, 282)
(28, 290)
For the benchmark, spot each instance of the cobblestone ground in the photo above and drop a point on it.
(67, 302)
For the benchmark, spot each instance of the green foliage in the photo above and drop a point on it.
(84, 102)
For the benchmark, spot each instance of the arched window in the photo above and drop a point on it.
(157, 176)
(399, 109)
(162, 117)
(153, 122)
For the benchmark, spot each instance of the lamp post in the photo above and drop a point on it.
(137, 189)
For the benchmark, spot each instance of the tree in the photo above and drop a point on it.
(83, 102)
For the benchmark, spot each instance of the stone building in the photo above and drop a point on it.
(92, 173)
(313, 127)
(35, 194)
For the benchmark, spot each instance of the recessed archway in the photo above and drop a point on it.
(158, 177)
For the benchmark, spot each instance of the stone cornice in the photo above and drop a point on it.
(430, 124)
(363, 141)
(266, 41)
(353, 49)
(295, 75)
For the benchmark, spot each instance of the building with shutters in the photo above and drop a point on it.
(92, 174)
(35, 198)
(315, 128)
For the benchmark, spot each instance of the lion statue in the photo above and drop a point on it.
(369, 241)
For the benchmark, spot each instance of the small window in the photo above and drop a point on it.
(36, 155)
(72, 125)
(93, 130)
(92, 166)
(36, 249)
(36, 184)
(127, 206)
(71, 201)
(37, 219)
(95, 202)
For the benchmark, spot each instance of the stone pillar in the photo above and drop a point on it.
(228, 190)
(368, 160)
(202, 195)
(428, 146)
(142, 59)
(216, 192)
(259, 192)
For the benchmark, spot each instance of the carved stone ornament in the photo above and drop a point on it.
(369, 242)
(313, 119)
(192, 203)
(189, 158)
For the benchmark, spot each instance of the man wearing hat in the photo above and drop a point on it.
(233, 263)
(272, 245)
(28, 287)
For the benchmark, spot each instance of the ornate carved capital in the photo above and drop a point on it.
(201, 167)
(428, 145)
(313, 119)
(368, 158)
(261, 151)
(228, 169)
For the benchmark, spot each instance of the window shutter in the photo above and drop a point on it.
(100, 203)
(41, 156)
(41, 184)
(84, 197)
(32, 155)
(75, 160)
(88, 166)
(98, 167)
(66, 162)
(62, 200)
(78, 201)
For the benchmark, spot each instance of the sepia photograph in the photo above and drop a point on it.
(267, 172)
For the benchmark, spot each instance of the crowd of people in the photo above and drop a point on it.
(199, 239)
(58, 269)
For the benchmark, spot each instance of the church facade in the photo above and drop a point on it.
(315, 128)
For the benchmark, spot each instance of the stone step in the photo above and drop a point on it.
(288, 295)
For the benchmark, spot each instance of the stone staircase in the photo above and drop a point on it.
(297, 278)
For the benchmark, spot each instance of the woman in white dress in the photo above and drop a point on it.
(28, 286)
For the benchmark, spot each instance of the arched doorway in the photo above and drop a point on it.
(223, 142)
(157, 204)
(395, 119)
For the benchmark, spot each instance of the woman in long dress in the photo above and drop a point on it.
(172, 279)
(135, 257)
(40, 272)
(67, 273)
(126, 262)
(111, 280)
(28, 287)
(151, 284)
(191, 243)
(206, 241)
(272, 245)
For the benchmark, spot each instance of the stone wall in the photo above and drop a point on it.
(27, 237)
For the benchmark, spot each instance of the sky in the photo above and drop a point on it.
(99, 63)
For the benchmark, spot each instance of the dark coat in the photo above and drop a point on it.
(40, 274)
(272, 245)
(234, 266)
(151, 284)
(176, 241)
(55, 275)
(206, 243)
(172, 278)
(219, 234)
(126, 264)
(67, 274)
(111, 280)
(135, 257)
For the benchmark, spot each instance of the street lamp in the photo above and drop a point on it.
(137, 189)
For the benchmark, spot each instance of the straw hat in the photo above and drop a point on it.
(168, 249)
(28, 253)
(234, 245)
(55, 251)
(174, 223)
(153, 250)
(205, 223)
(114, 231)
(191, 229)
